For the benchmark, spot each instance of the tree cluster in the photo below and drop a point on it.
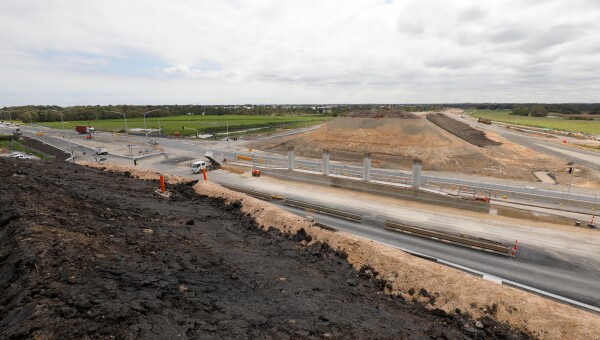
(536, 110)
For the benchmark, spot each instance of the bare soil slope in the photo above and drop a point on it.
(90, 254)
(396, 142)
(390, 141)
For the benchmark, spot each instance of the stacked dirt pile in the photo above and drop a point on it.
(461, 130)
(391, 142)
(394, 143)
(380, 113)
(91, 254)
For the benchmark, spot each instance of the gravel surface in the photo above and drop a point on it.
(90, 254)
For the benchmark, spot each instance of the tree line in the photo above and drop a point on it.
(53, 113)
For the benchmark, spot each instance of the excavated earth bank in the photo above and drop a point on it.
(86, 253)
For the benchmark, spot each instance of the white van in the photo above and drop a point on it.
(197, 166)
(100, 150)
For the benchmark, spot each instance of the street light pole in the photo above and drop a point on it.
(61, 117)
(145, 113)
(125, 117)
(183, 128)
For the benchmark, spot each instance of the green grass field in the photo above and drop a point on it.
(170, 125)
(587, 126)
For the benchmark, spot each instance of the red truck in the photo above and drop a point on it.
(84, 129)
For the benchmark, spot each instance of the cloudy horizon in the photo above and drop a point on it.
(67, 52)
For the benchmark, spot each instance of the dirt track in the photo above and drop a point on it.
(90, 254)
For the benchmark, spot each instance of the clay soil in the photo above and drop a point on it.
(92, 254)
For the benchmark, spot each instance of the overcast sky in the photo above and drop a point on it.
(69, 52)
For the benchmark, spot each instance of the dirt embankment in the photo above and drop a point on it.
(380, 113)
(395, 143)
(44, 148)
(92, 254)
(440, 289)
(461, 130)
(391, 142)
(445, 289)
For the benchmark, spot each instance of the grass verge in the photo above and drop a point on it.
(555, 123)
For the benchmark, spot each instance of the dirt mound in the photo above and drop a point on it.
(461, 130)
(44, 148)
(395, 143)
(380, 113)
(82, 260)
(391, 142)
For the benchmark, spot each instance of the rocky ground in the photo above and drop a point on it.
(90, 254)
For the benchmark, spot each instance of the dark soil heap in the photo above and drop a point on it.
(45, 148)
(461, 130)
(90, 254)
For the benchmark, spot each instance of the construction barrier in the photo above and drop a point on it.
(162, 183)
(479, 244)
(324, 210)
(243, 158)
(256, 194)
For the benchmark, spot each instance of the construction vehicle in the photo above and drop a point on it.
(484, 121)
(255, 173)
(482, 198)
(197, 166)
(214, 164)
(84, 129)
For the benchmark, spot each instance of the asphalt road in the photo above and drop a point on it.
(559, 273)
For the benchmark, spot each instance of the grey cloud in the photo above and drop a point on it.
(472, 14)
(554, 36)
(508, 35)
(410, 22)
(453, 63)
